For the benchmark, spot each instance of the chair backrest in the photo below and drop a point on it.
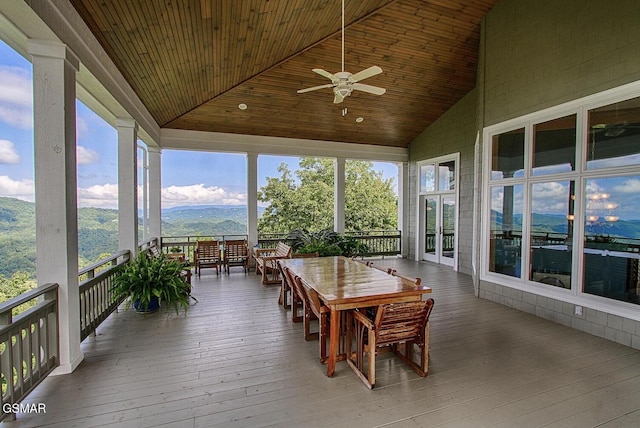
(236, 248)
(291, 279)
(208, 249)
(309, 295)
(283, 274)
(153, 251)
(416, 281)
(283, 250)
(399, 322)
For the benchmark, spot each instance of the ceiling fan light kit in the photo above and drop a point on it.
(343, 82)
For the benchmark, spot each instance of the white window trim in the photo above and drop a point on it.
(579, 175)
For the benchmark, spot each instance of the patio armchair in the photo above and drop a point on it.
(266, 262)
(236, 253)
(400, 326)
(207, 255)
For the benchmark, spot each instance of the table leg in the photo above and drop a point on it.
(334, 338)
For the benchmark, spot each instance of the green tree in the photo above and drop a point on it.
(18, 283)
(306, 201)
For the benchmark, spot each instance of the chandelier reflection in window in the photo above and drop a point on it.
(600, 213)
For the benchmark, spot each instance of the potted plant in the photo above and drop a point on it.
(147, 282)
(325, 243)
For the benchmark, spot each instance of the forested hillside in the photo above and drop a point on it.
(98, 231)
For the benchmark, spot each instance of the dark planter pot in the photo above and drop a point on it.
(153, 306)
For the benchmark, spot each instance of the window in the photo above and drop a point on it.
(554, 146)
(611, 241)
(447, 176)
(614, 135)
(427, 178)
(506, 230)
(551, 179)
(550, 232)
(507, 151)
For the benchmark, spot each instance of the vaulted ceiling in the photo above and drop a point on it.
(193, 62)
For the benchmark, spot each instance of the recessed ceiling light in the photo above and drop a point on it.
(359, 119)
(242, 106)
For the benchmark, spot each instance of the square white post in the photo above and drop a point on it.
(127, 185)
(155, 192)
(54, 112)
(252, 199)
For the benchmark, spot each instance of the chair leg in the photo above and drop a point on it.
(372, 359)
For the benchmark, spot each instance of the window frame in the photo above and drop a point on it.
(579, 175)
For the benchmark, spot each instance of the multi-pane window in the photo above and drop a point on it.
(550, 180)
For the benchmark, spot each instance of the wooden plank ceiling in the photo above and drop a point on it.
(192, 62)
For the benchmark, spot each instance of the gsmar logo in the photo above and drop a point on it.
(24, 408)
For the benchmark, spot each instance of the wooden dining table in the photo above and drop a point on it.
(343, 284)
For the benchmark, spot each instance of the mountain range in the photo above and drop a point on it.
(98, 230)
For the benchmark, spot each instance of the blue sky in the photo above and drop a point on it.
(188, 178)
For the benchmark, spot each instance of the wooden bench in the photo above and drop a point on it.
(266, 262)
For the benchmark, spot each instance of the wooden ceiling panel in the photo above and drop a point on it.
(192, 62)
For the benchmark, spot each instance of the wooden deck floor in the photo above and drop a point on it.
(237, 360)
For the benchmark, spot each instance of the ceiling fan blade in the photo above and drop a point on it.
(302, 91)
(338, 98)
(326, 74)
(368, 88)
(371, 71)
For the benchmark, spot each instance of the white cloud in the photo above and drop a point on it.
(198, 194)
(81, 126)
(16, 97)
(19, 189)
(86, 156)
(8, 153)
(631, 185)
(99, 196)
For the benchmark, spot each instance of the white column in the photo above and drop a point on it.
(127, 185)
(252, 199)
(54, 112)
(155, 192)
(403, 206)
(338, 194)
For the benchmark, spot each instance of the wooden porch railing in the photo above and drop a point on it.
(377, 242)
(28, 344)
(96, 298)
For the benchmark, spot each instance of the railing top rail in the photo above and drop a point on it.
(103, 262)
(26, 296)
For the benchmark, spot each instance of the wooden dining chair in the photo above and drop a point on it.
(297, 303)
(286, 289)
(314, 309)
(400, 326)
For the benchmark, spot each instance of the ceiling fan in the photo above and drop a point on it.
(343, 82)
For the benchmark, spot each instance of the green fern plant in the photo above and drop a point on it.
(145, 278)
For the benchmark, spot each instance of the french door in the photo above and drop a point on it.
(439, 210)
(440, 229)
